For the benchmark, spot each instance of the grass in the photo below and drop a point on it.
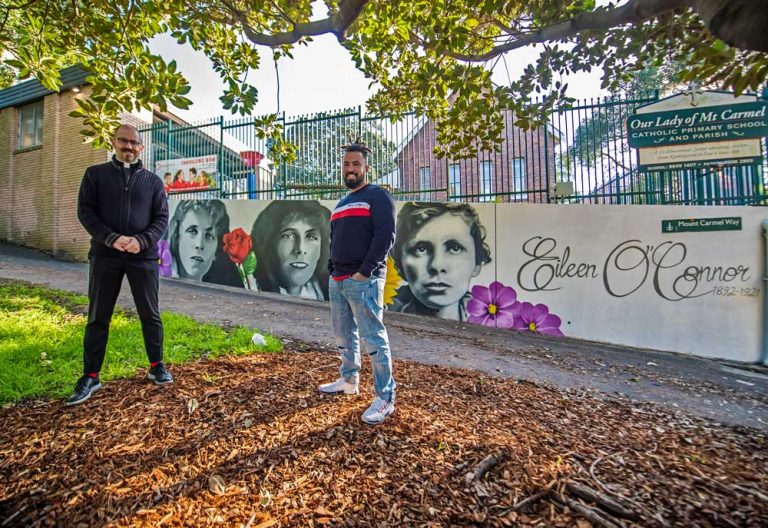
(41, 342)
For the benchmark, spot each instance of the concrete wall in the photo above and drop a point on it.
(600, 272)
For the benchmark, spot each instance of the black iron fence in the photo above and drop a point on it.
(581, 155)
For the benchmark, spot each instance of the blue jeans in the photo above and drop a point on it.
(357, 308)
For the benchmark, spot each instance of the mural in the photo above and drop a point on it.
(439, 248)
(291, 241)
(195, 244)
(618, 274)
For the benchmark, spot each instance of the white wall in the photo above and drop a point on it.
(610, 273)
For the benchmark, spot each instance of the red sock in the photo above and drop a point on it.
(156, 363)
(93, 375)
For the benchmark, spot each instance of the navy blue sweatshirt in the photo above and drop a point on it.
(362, 232)
(114, 202)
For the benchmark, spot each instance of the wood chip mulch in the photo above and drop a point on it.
(249, 442)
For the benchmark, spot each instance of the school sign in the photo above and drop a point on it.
(674, 136)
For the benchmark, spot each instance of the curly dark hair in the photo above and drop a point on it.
(357, 146)
(267, 228)
(414, 215)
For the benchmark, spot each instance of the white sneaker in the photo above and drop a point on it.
(340, 385)
(378, 411)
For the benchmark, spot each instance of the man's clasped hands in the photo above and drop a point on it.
(127, 244)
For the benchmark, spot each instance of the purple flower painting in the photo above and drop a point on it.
(530, 318)
(493, 306)
(164, 261)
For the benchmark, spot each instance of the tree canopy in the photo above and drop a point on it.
(419, 53)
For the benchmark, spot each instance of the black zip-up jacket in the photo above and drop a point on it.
(108, 206)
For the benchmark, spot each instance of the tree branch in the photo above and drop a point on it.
(349, 11)
(633, 12)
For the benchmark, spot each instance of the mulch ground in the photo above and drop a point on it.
(250, 442)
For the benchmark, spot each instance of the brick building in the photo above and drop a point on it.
(523, 170)
(42, 160)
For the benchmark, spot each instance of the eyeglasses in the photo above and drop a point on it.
(125, 141)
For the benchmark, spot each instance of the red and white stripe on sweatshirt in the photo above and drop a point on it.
(352, 209)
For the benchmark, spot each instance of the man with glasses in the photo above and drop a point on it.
(123, 207)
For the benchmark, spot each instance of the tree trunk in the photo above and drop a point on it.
(739, 23)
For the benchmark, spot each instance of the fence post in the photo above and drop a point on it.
(764, 359)
(447, 179)
(170, 140)
(282, 165)
(359, 121)
(546, 160)
(220, 160)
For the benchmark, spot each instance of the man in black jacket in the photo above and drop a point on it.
(123, 207)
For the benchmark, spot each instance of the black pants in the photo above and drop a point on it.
(104, 281)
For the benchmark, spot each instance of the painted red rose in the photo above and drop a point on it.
(237, 244)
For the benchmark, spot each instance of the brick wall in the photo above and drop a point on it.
(535, 148)
(7, 124)
(39, 186)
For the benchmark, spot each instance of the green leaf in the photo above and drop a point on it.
(249, 265)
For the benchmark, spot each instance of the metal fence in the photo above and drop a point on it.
(581, 155)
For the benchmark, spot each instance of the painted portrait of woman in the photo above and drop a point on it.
(439, 248)
(195, 235)
(291, 241)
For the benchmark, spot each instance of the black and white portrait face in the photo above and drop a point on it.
(439, 260)
(297, 251)
(291, 241)
(196, 232)
(439, 248)
(197, 244)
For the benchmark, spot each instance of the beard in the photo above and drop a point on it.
(353, 183)
(126, 155)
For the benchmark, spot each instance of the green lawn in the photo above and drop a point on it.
(41, 342)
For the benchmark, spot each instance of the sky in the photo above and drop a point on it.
(320, 77)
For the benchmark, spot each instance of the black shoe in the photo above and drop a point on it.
(86, 386)
(160, 375)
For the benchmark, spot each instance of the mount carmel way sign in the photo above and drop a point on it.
(671, 134)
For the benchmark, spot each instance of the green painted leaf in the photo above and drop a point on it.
(250, 264)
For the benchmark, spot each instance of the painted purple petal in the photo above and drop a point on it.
(506, 297)
(474, 319)
(551, 332)
(524, 311)
(482, 294)
(477, 308)
(494, 288)
(539, 312)
(505, 320)
(483, 320)
(519, 323)
(551, 320)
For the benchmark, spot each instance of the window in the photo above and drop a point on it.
(518, 179)
(486, 181)
(425, 183)
(454, 182)
(31, 125)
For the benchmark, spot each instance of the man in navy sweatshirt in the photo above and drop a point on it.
(362, 233)
(123, 207)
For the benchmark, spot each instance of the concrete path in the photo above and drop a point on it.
(735, 394)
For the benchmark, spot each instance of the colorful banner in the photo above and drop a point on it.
(188, 174)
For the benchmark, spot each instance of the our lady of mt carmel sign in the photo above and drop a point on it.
(720, 129)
